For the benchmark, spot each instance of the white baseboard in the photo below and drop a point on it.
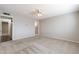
(23, 36)
(59, 38)
(51, 37)
(65, 39)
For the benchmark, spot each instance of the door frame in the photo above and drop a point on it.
(11, 27)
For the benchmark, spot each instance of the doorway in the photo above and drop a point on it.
(6, 26)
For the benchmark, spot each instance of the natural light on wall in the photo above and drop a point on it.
(36, 23)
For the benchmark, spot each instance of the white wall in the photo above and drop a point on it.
(65, 27)
(22, 27)
(0, 27)
(0, 30)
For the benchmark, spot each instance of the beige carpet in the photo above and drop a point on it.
(39, 46)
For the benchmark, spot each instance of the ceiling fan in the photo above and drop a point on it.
(37, 12)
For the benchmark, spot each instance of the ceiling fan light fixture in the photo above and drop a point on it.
(37, 12)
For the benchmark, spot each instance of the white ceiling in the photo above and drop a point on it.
(48, 10)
